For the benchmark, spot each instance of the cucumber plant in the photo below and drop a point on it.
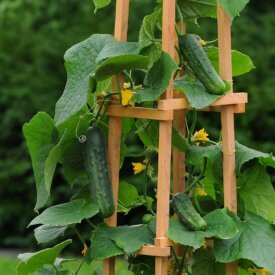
(76, 139)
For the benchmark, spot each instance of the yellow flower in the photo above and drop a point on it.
(201, 192)
(262, 271)
(126, 96)
(138, 167)
(85, 249)
(204, 245)
(200, 135)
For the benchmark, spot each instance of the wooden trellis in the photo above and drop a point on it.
(171, 111)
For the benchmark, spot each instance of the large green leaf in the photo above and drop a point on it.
(241, 63)
(32, 261)
(41, 136)
(117, 48)
(111, 241)
(71, 148)
(102, 245)
(46, 233)
(178, 141)
(127, 195)
(157, 79)
(80, 62)
(66, 213)
(204, 263)
(219, 225)
(116, 64)
(245, 154)
(132, 238)
(233, 7)
(99, 4)
(195, 93)
(192, 9)
(213, 154)
(256, 193)
(147, 131)
(255, 241)
(149, 44)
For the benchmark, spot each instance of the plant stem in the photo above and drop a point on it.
(79, 236)
(175, 255)
(182, 261)
(197, 205)
(193, 125)
(145, 186)
(181, 19)
(79, 267)
(55, 268)
(90, 223)
(129, 78)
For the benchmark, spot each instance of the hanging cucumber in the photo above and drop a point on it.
(97, 167)
(198, 61)
(186, 212)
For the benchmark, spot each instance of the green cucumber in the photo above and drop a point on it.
(198, 61)
(186, 212)
(97, 167)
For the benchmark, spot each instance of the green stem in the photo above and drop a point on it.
(55, 268)
(181, 19)
(79, 236)
(145, 186)
(90, 223)
(193, 125)
(175, 255)
(182, 261)
(129, 78)
(101, 106)
(197, 205)
(79, 267)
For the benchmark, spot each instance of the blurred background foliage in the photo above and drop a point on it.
(34, 35)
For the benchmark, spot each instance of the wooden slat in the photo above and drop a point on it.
(114, 135)
(227, 119)
(137, 112)
(182, 103)
(165, 139)
(152, 250)
(163, 242)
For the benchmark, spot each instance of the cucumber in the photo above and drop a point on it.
(97, 167)
(186, 212)
(146, 219)
(198, 61)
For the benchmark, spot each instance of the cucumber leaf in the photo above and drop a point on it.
(219, 225)
(117, 48)
(195, 92)
(46, 233)
(116, 64)
(255, 241)
(157, 79)
(99, 4)
(241, 63)
(233, 7)
(127, 195)
(66, 213)
(245, 154)
(149, 44)
(41, 136)
(192, 9)
(112, 241)
(205, 263)
(256, 193)
(30, 262)
(80, 62)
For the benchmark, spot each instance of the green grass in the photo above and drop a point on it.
(8, 266)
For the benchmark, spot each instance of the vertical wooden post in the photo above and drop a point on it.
(114, 136)
(227, 119)
(165, 133)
